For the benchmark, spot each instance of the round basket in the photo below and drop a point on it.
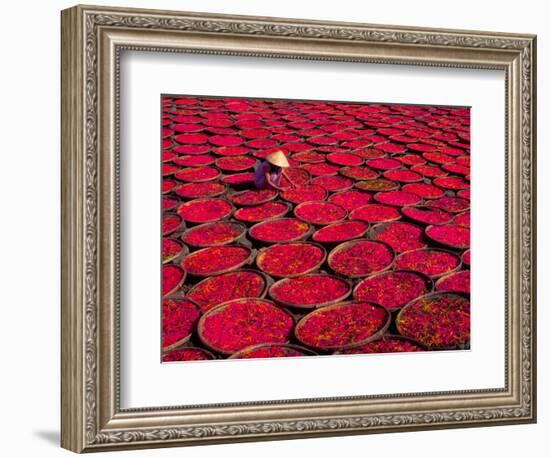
(320, 236)
(397, 198)
(398, 263)
(418, 214)
(442, 284)
(236, 198)
(253, 215)
(180, 334)
(173, 257)
(174, 226)
(359, 173)
(187, 177)
(434, 233)
(317, 314)
(237, 233)
(170, 285)
(206, 218)
(348, 245)
(200, 190)
(224, 251)
(294, 195)
(417, 241)
(252, 232)
(194, 293)
(299, 209)
(382, 296)
(264, 252)
(367, 213)
(424, 336)
(316, 284)
(282, 337)
(377, 185)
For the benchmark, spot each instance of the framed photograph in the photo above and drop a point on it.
(278, 228)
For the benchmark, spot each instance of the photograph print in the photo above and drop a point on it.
(313, 228)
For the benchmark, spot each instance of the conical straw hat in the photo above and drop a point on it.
(277, 158)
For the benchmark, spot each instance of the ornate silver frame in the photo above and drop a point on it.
(92, 39)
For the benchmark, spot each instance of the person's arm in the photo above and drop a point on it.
(271, 182)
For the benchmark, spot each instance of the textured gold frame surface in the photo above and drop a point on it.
(92, 39)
